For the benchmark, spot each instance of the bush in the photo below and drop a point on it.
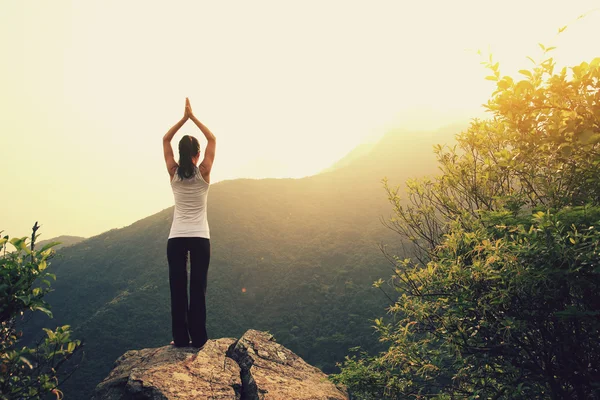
(500, 299)
(29, 372)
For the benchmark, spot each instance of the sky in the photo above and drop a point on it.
(89, 88)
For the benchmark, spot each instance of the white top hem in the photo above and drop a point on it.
(192, 236)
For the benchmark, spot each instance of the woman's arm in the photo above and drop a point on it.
(209, 153)
(167, 149)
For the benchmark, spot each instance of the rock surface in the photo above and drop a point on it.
(253, 367)
(174, 373)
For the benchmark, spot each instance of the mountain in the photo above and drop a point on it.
(356, 153)
(400, 154)
(65, 240)
(296, 257)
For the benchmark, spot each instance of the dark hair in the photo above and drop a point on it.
(188, 148)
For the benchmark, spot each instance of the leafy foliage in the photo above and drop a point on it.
(540, 149)
(499, 300)
(29, 372)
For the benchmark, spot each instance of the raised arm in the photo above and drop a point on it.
(167, 149)
(209, 153)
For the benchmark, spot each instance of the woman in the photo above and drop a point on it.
(189, 232)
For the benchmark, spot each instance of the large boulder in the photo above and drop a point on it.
(254, 367)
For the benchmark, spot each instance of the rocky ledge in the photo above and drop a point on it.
(253, 367)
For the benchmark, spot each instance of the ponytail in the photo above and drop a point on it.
(188, 147)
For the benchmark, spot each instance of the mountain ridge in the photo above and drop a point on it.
(66, 240)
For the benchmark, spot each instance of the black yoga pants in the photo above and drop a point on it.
(188, 321)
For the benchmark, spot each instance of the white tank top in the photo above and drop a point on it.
(189, 217)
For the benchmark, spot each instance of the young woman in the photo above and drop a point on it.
(189, 232)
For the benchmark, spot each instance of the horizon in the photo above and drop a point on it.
(284, 101)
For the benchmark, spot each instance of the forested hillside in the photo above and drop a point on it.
(296, 257)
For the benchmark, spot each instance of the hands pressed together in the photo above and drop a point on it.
(188, 114)
(188, 110)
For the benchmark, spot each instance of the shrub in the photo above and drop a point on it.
(29, 372)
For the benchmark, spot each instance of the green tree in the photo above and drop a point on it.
(29, 372)
(499, 299)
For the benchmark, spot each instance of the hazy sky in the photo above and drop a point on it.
(88, 89)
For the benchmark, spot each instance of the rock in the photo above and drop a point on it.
(174, 373)
(271, 371)
(254, 367)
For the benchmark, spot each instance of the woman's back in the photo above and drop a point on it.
(189, 238)
(190, 216)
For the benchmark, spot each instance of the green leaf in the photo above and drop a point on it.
(44, 310)
(48, 245)
(505, 83)
(50, 333)
(26, 361)
(19, 243)
(524, 85)
(526, 73)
